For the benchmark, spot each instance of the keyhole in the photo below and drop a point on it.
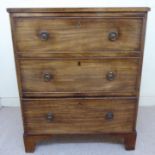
(79, 103)
(78, 24)
(79, 63)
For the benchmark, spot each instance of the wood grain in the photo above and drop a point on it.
(77, 35)
(78, 115)
(79, 76)
(62, 74)
(81, 10)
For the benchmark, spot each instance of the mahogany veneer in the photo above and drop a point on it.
(78, 70)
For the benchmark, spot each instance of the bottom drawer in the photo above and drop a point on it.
(70, 116)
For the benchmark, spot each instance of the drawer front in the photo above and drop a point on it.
(79, 77)
(77, 34)
(60, 116)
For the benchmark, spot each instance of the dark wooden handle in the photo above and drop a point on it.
(44, 36)
(113, 36)
(109, 116)
(47, 77)
(110, 76)
(49, 117)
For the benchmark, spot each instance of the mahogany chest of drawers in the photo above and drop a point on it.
(78, 70)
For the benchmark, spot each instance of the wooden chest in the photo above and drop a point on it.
(78, 70)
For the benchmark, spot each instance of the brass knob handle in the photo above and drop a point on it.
(113, 36)
(110, 76)
(47, 77)
(49, 117)
(109, 116)
(44, 36)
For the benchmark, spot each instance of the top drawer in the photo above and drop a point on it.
(77, 35)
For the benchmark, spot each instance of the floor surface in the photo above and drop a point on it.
(11, 142)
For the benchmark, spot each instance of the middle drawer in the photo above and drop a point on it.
(83, 77)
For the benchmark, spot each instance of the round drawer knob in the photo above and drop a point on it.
(113, 36)
(49, 117)
(110, 76)
(47, 77)
(109, 116)
(44, 36)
